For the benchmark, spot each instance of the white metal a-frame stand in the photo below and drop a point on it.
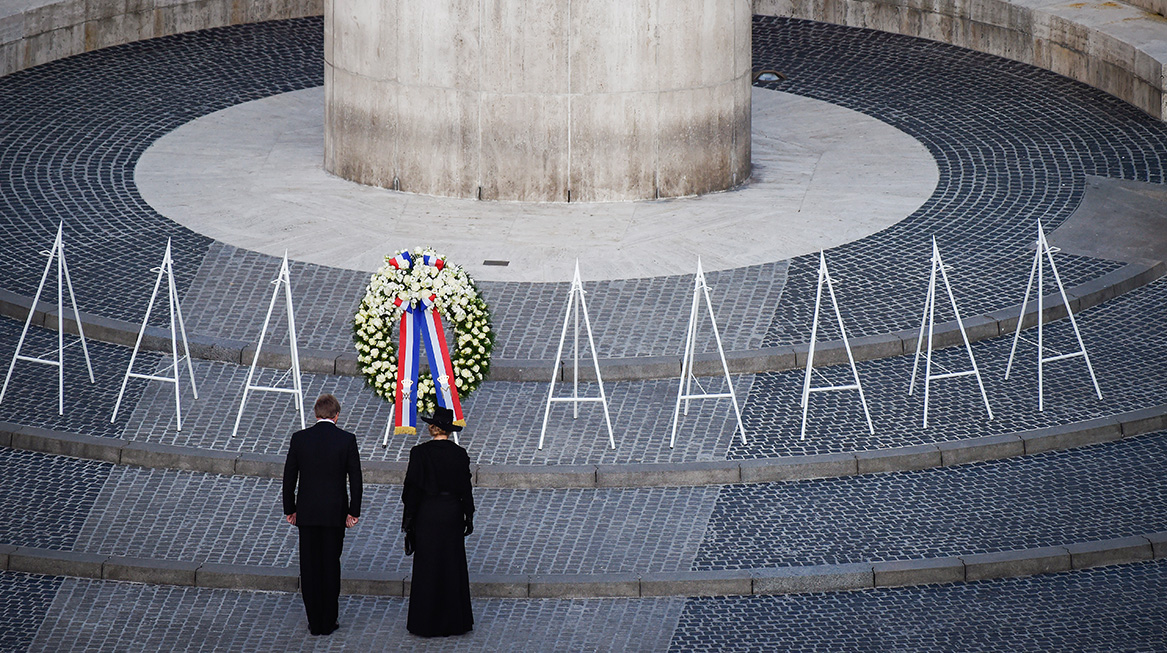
(1038, 271)
(685, 389)
(57, 252)
(282, 282)
(929, 320)
(825, 279)
(166, 269)
(576, 305)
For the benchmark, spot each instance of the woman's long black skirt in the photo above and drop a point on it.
(439, 595)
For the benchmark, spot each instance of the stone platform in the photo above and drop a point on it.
(1035, 530)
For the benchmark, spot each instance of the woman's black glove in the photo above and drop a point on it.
(467, 525)
(407, 528)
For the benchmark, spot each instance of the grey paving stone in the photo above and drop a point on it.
(760, 360)
(896, 460)
(106, 615)
(1110, 552)
(533, 476)
(507, 586)
(1071, 435)
(25, 599)
(67, 444)
(258, 464)
(7, 429)
(88, 406)
(46, 499)
(251, 577)
(153, 454)
(695, 583)
(1158, 544)
(140, 570)
(51, 561)
(624, 369)
(815, 578)
(1106, 490)
(1127, 367)
(238, 520)
(584, 585)
(5, 549)
(990, 447)
(1119, 608)
(897, 573)
(373, 583)
(698, 473)
(802, 467)
(1146, 420)
(1042, 560)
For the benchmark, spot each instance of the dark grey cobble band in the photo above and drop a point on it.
(736, 582)
(716, 472)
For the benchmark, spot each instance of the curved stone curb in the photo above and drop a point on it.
(718, 472)
(767, 359)
(741, 582)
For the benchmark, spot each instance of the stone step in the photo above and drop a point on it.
(739, 582)
(766, 359)
(1108, 491)
(1109, 608)
(715, 472)
(1122, 335)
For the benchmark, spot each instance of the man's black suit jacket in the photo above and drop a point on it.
(319, 458)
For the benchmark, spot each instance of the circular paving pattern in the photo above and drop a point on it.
(1013, 145)
(251, 176)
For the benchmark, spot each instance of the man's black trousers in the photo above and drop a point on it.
(320, 548)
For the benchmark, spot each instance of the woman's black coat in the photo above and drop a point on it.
(438, 506)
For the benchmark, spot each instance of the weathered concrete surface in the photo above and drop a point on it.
(251, 176)
(33, 32)
(539, 100)
(1118, 220)
(1117, 47)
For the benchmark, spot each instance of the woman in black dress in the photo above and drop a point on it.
(439, 513)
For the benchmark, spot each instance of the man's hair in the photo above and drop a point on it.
(327, 406)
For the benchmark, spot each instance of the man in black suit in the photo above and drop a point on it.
(320, 458)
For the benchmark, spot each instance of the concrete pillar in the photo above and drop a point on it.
(532, 99)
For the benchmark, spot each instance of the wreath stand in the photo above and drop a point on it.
(700, 288)
(825, 278)
(929, 319)
(281, 282)
(576, 305)
(165, 269)
(57, 252)
(1038, 270)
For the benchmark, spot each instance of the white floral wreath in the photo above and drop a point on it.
(375, 326)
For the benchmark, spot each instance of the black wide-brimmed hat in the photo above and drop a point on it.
(444, 419)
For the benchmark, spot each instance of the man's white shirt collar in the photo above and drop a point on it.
(325, 419)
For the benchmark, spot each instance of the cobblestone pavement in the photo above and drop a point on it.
(1014, 145)
(1125, 338)
(25, 600)
(1079, 495)
(115, 510)
(1100, 492)
(1108, 609)
(1008, 155)
(1104, 610)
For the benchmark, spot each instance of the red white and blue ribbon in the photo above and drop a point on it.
(418, 322)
